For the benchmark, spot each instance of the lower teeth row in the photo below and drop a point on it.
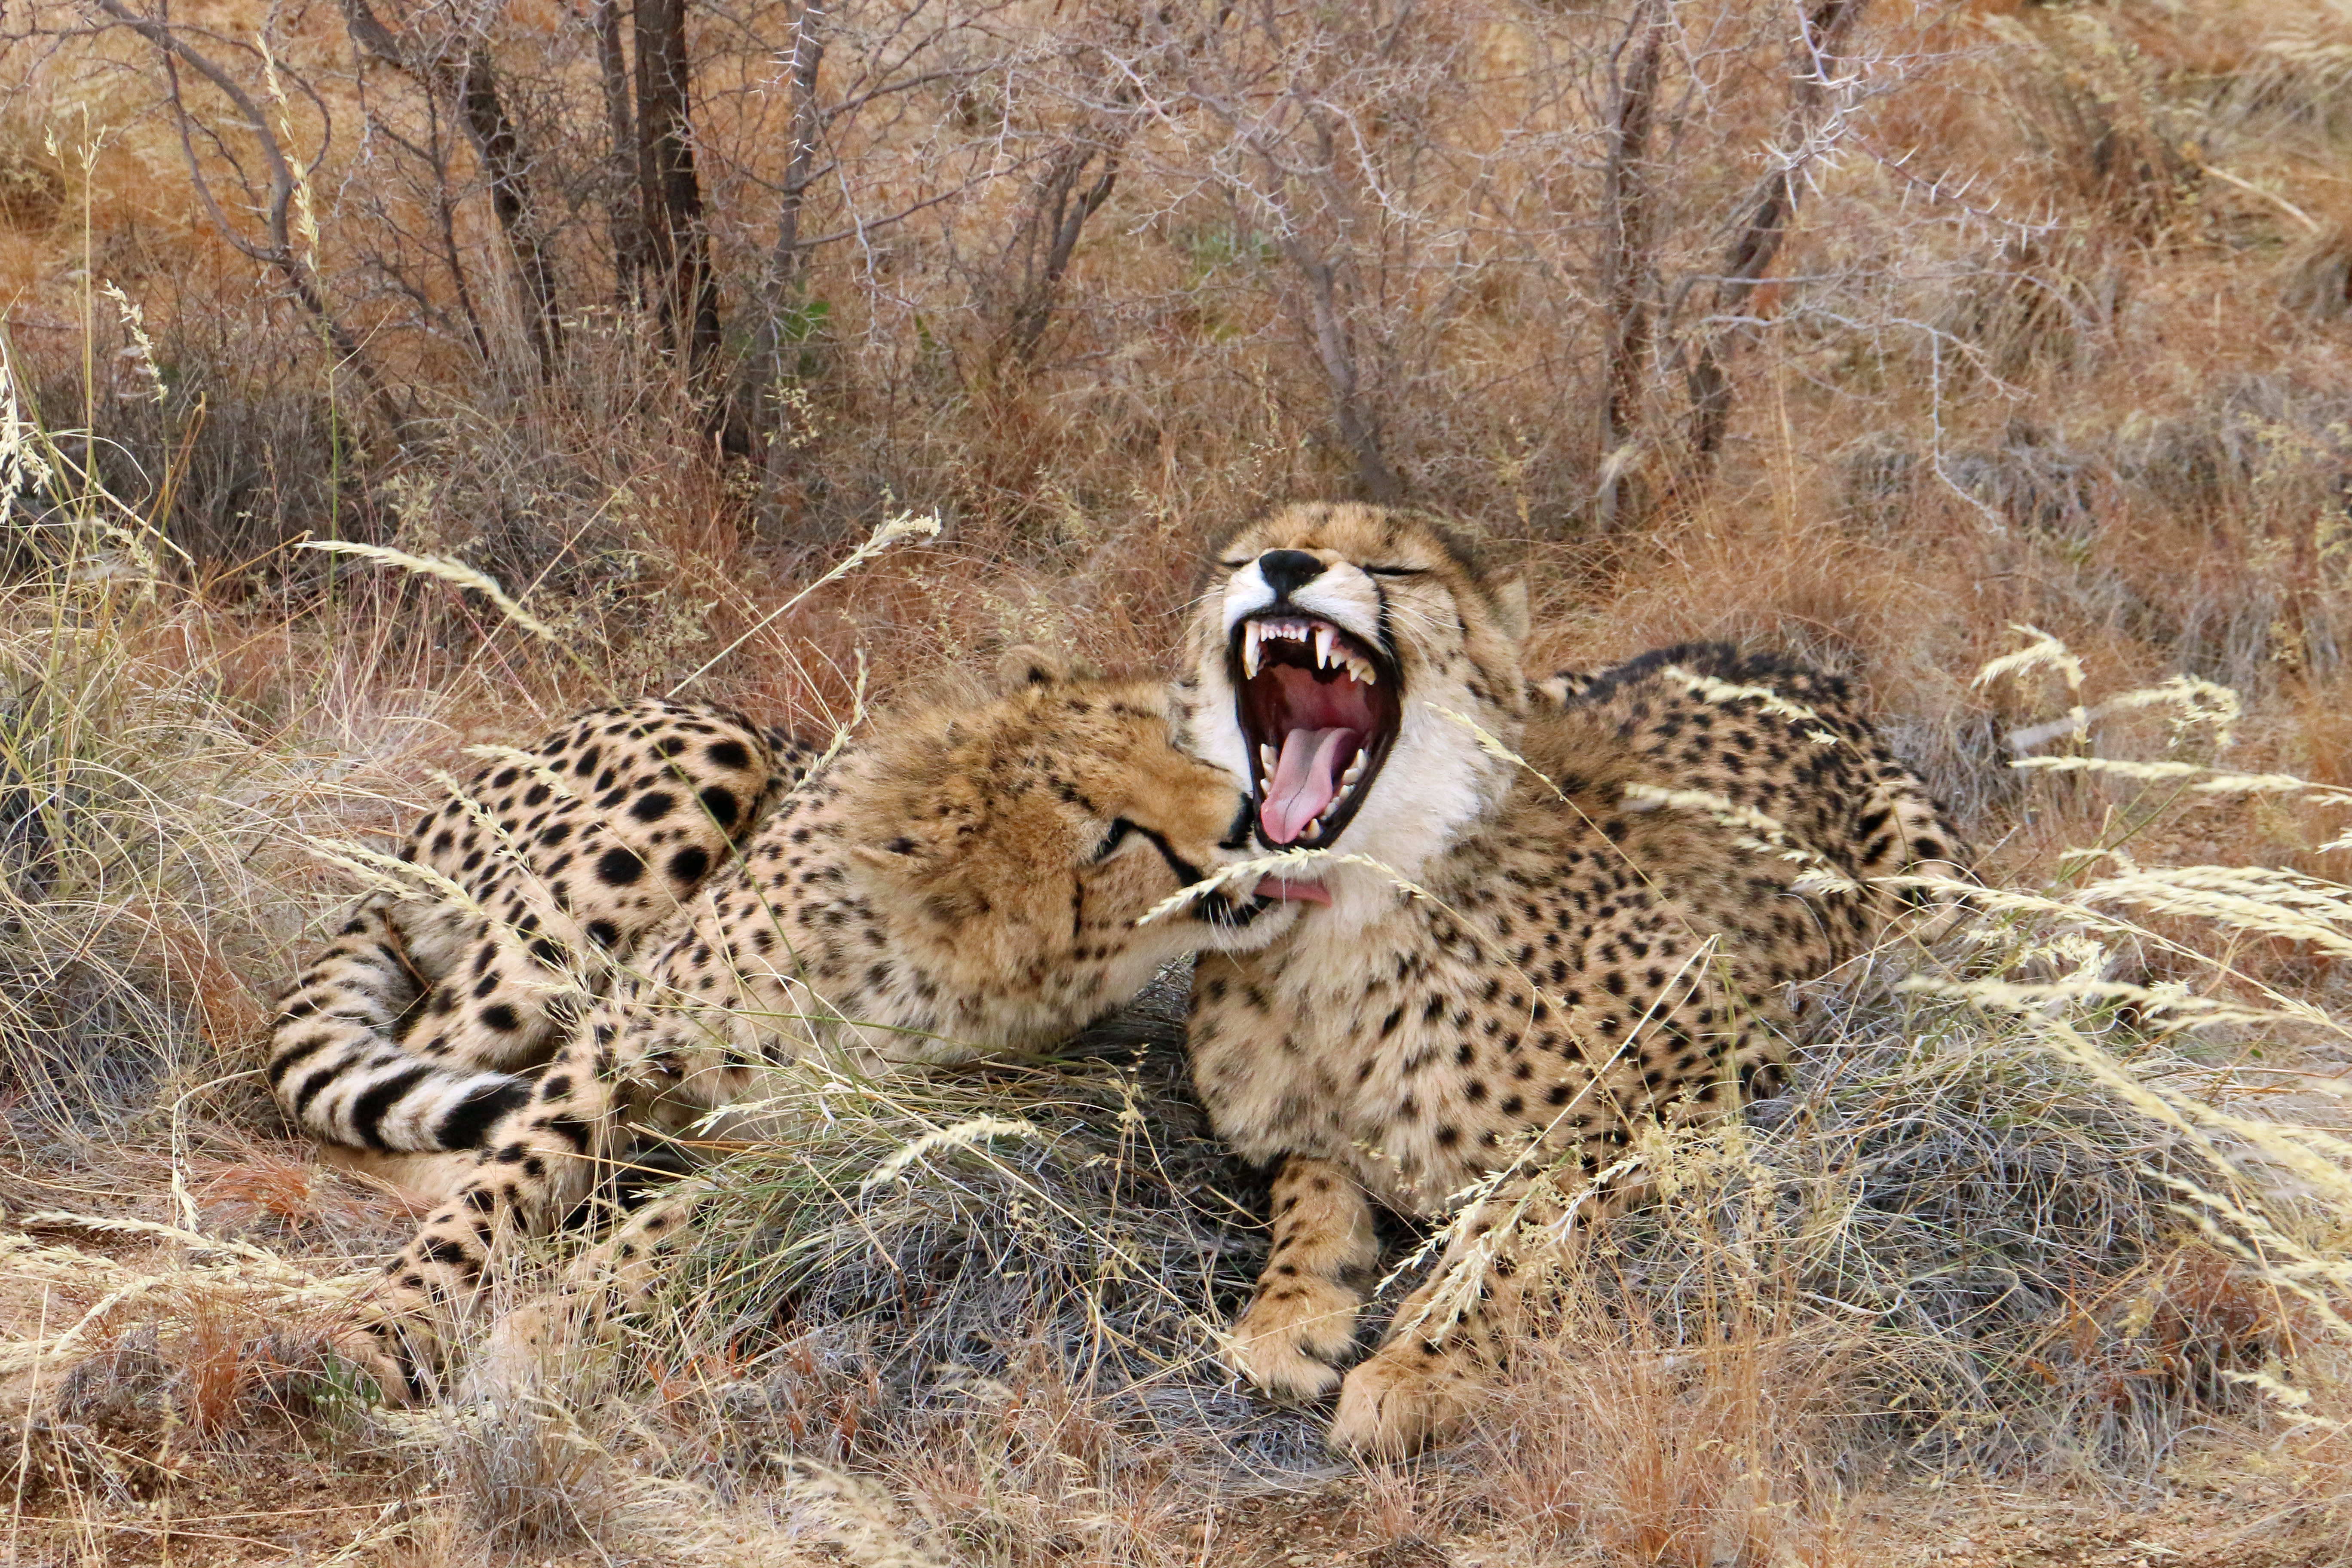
(1267, 758)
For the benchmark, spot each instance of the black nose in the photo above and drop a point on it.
(1287, 571)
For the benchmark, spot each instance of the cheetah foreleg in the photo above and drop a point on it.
(1300, 1326)
(1446, 1341)
(605, 1286)
(538, 1161)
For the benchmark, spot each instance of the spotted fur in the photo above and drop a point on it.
(1606, 931)
(967, 879)
(547, 872)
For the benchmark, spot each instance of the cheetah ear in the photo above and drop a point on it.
(914, 854)
(1511, 608)
(904, 858)
(925, 875)
(1026, 664)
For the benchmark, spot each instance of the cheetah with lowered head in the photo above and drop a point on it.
(1620, 882)
(966, 880)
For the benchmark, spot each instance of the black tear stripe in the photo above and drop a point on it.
(1387, 637)
(1186, 872)
(1119, 829)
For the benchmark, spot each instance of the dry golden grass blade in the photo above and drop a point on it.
(447, 571)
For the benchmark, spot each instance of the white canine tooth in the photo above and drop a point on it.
(1267, 758)
(1322, 647)
(1249, 649)
(1355, 769)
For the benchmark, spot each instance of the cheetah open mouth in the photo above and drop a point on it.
(1319, 709)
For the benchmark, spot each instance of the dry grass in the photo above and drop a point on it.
(2056, 341)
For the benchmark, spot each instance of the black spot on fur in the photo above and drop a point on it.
(571, 1128)
(470, 1119)
(442, 1250)
(369, 1108)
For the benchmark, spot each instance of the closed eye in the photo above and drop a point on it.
(1397, 571)
(1119, 829)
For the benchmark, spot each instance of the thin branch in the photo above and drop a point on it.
(475, 91)
(626, 216)
(1753, 250)
(279, 252)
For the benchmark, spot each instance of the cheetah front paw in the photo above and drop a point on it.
(515, 1357)
(1291, 1339)
(1403, 1398)
(379, 1356)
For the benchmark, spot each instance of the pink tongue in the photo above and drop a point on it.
(1305, 777)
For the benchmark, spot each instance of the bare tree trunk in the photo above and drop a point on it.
(678, 248)
(1752, 254)
(1153, 50)
(1047, 235)
(781, 305)
(1327, 329)
(1330, 331)
(502, 155)
(1626, 264)
(627, 212)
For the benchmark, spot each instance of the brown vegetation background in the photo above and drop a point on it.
(1868, 329)
(1755, 319)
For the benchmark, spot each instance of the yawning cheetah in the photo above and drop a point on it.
(1549, 916)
